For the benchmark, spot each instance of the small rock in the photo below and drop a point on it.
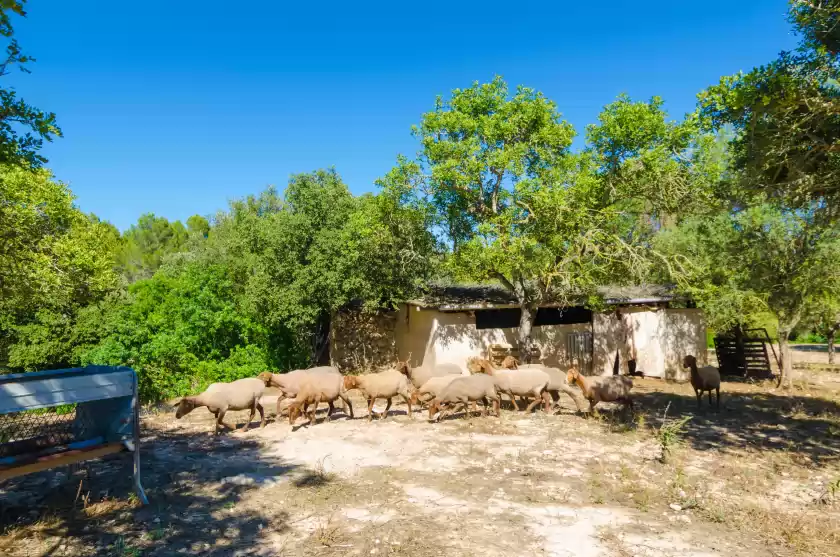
(506, 470)
(376, 541)
(412, 500)
(681, 493)
(684, 518)
(156, 520)
(374, 550)
(675, 507)
(785, 474)
(548, 452)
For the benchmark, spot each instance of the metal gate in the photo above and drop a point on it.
(579, 350)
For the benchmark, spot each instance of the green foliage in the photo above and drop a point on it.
(181, 330)
(54, 260)
(518, 207)
(146, 244)
(20, 147)
(818, 21)
(669, 434)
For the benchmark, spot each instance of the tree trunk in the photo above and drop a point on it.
(526, 325)
(786, 371)
(832, 333)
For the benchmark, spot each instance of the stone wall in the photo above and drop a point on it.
(363, 342)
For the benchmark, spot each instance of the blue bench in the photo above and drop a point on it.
(60, 417)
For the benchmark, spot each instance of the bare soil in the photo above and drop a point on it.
(761, 477)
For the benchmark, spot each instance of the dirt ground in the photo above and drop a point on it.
(761, 477)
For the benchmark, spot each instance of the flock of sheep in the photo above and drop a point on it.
(445, 388)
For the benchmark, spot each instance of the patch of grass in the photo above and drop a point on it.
(669, 434)
(327, 534)
(122, 549)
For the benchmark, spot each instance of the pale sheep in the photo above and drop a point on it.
(289, 383)
(531, 382)
(243, 394)
(706, 378)
(419, 375)
(386, 384)
(432, 388)
(612, 388)
(463, 390)
(556, 385)
(315, 389)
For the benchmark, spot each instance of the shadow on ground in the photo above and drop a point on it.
(193, 482)
(804, 426)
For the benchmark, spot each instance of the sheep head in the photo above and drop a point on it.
(510, 363)
(434, 408)
(572, 376)
(403, 368)
(294, 411)
(265, 377)
(479, 365)
(351, 382)
(185, 406)
(689, 361)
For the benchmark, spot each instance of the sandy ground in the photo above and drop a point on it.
(752, 480)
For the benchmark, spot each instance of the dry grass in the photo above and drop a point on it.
(761, 477)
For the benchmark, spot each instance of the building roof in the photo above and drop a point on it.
(493, 296)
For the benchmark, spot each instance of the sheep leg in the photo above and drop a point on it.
(485, 404)
(533, 404)
(408, 403)
(262, 415)
(387, 407)
(349, 407)
(699, 394)
(251, 417)
(710, 398)
(314, 410)
(331, 409)
(547, 400)
(497, 406)
(513, 400)
(220, 415)
(371, 400)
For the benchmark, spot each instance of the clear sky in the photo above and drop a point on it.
(175, 107)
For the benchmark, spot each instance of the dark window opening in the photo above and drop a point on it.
(497, 318)
(509, 318)
(563, 316)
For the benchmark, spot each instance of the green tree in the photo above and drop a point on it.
(304, 255)
(823, 316)
(147, 243)
(54, 259)
(23, 128)
(517, 206)
(181, 329)
(737, 263)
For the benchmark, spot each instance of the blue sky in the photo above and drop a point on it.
(177, 107)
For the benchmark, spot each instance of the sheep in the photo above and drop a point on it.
(556, 385)
(613, 388)
(419, 375)
(315, 389)
(386, 384)
(706, 378)
(289, 383)
(243, 394)
(433, 387)
(525, 382)
(465, 389)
